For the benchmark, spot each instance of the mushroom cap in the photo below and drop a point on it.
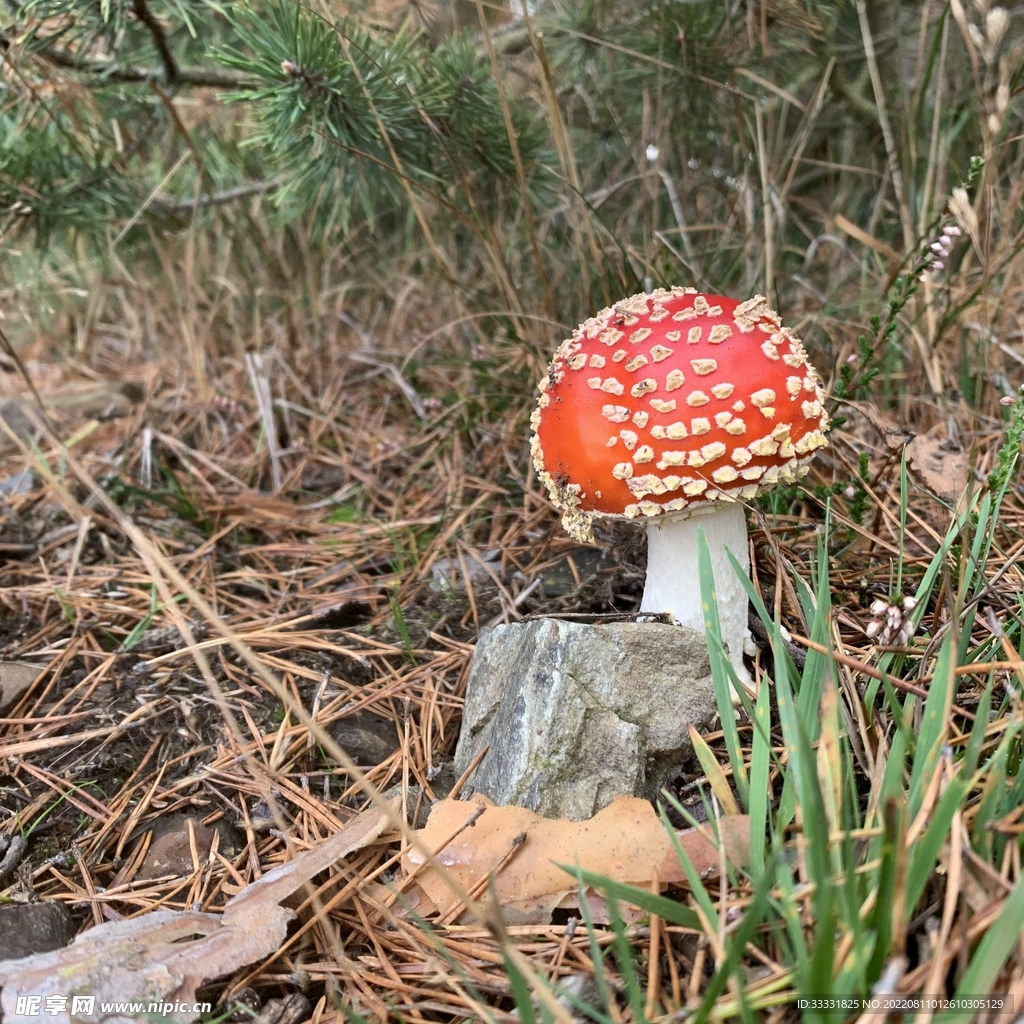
(668, 402)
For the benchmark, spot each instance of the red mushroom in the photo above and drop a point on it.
(672, 404)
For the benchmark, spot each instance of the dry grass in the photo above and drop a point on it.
(305, 496)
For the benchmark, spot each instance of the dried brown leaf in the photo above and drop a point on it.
(626, 842)
(892, 433)
(940, 464)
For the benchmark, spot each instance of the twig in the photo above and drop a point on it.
(15, 851)
(107, 71)
(874, 673)
(404, 386)
(171, 206)
(160, 41)
(9, 350)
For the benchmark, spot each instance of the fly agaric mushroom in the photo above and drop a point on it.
(672, 404)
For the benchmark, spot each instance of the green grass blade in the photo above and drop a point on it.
(981, 719)
(627, 967)
(904, 487)
(852, 978)
(759, 769)
(721, 670)
(400, 624)
(520, 991)
(991, 954)
(735, 947)
(666, 909)
(752, 593)
(927, 848)
(817, 664)
(802, 764)
(891, 877)
(693, 878)
(934, 725)
(993, 789)
(596, 954)
(788, 910)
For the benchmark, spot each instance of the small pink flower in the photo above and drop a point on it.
(891, 620)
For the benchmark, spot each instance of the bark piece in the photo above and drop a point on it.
(165, 955)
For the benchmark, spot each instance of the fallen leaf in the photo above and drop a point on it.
(164, 956)
(252, 504)
(625, 841)
(106, 400)
(940, 464)
(15, 678)
(892, 433)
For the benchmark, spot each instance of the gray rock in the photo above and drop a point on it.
(15, 678)
(29, 928)
(17, 484)
(448, 575)
(366, 737)
(577, 714)
(170, 850)
(12, 412)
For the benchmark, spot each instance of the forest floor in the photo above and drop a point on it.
(172, 613)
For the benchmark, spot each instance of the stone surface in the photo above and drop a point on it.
(366, 737)
(12, 412)
(170, 852)
(29, 928)
(15, 678)
(577, 714)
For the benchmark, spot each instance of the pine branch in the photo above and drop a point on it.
(172, 206)
(196, 77)
(156, 30)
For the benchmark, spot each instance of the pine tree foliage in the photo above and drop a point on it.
(346, 115)
(359, 116)
(349, 117)
(119, 117)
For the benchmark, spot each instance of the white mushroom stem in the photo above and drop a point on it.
(673, 584)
